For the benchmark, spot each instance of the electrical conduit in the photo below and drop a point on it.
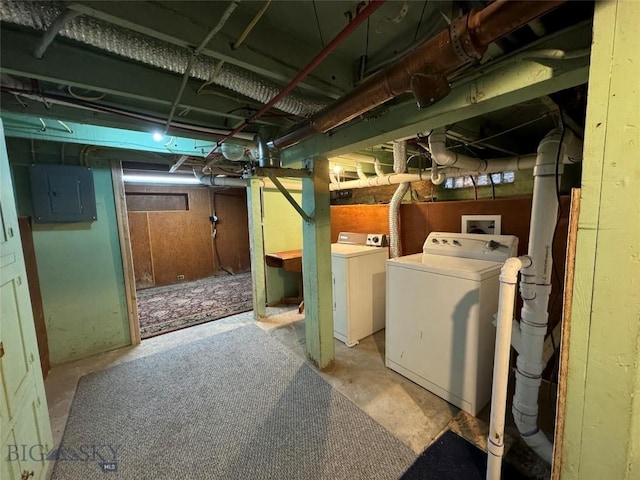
(399, 166)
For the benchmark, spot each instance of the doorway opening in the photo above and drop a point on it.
(190, 254)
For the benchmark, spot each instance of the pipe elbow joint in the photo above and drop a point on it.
(438, 148)
(511, 268)
(437, 178)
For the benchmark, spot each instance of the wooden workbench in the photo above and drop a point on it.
(289, 261)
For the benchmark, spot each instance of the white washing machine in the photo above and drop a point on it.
(440, 305)
(358, 265)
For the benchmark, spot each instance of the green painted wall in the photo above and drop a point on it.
(282, 227)
(602, 429)
(80, 269)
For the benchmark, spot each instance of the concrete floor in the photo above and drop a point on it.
(411, 413)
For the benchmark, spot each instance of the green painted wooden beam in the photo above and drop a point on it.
(316, 265)
(508, 82)
(25, 126)
(102, 119)
(256, 242)
(602, 420)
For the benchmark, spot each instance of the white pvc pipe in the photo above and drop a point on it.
(437, 178)
(464, 165)
(360, 172)
(506, 306)
(378, 168)
(449, 158)
(498, 165)
(221, 181)
(535, 287)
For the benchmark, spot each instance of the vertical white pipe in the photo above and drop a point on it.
(360, 172)
(535, 287)
(506, 306)
(378, 168)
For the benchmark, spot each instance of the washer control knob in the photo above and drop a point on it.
(444, 240)
(435, 240)
(456, 242)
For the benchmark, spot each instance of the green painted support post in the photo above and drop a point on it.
(602, 423)
(316, 264)
(256, 242)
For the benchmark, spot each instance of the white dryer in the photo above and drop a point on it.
(440, 305)
(358, 264)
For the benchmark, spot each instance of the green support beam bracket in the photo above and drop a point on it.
(290, 199)
(51, 129)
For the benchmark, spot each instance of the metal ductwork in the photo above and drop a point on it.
(154, 52)
(425, 69)
(267, 157)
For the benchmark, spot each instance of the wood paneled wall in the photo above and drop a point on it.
(359, 219)
(168, 244)
(232, 229)
(417, 220)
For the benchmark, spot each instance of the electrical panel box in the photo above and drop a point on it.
(62, 194)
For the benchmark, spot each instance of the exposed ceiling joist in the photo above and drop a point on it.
(151, 19)
(79, 67)
(504, 83)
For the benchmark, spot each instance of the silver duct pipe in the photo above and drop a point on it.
(154, 52)
(399, 166)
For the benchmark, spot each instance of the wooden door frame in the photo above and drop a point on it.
(125, 251)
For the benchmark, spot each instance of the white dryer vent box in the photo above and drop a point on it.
(487, 224)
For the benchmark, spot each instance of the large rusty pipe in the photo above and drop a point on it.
(466, 40)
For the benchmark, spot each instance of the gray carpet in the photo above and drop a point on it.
(237, 405)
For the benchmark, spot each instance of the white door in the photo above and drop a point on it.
(24, 420)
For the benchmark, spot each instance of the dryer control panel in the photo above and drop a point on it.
(368, 239)
(495, 248)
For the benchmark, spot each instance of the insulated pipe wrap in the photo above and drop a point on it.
(399, 167)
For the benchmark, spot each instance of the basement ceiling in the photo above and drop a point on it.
(120, 63)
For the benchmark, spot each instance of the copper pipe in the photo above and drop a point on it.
(465, 41)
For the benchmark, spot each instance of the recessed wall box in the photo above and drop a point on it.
(62, 193)
(487, 224)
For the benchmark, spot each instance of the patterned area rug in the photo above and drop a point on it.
(165, 309)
